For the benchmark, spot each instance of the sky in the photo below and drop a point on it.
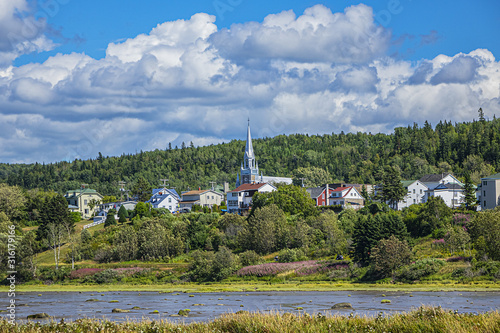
(82, 77)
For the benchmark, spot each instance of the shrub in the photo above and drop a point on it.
(419, 269)
(83, 272)
(290, 255)
(104, 255)
(249, 258)
(107, 276)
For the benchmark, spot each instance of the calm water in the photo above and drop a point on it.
(207, 306)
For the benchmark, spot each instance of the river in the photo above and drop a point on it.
(208, 306)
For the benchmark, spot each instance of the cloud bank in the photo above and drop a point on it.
(186, 80)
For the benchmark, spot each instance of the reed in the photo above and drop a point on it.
(424, 319)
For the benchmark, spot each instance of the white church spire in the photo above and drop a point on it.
(249, 148)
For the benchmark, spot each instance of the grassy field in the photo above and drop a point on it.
(424, 319)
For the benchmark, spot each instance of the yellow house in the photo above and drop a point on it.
(79, 200)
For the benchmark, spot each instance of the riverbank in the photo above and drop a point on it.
(424, 319)
(259, 286)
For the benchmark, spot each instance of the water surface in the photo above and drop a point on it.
(207, 306)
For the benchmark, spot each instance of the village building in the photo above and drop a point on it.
(415, 193)
(203, 198)
(249, 171)
(165, 198)
(346, 197)
(489, 192)
(83, 201)
(239, 200)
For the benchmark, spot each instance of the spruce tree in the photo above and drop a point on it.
(469, 193)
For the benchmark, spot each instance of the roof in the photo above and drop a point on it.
(249, 187)
(82, 191)
(198, 192)
(189, 201)
(195, 192)
(495, 176)
(407, 183)
(315, 192)
(433, 177)
(340, 189)
(450, 186)
(171, 191)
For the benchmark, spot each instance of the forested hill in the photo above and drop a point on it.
(360, 158)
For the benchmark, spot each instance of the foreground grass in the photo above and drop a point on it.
(425, 319)
(260, 286)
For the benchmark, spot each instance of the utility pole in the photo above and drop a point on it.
(122, 189)
(164, 182)
(213, 186)
(302, 181)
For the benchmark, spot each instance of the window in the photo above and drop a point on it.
(485, 182)
(484, 193)
(85, 201)
(169, 207)
(169, 200)
(413, 191)
(414, 200)
(420, 191)
(86, 211)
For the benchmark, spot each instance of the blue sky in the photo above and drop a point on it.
(82, 77)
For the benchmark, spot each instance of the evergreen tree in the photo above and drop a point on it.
(469, 194)
(142, 189)
(122, 214)
(110, 218)
(392, 188)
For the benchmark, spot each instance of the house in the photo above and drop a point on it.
(319, 194)
(203, 198)
(346, 196)
(165, 198)
(446, 186)
(490, 192)
(83, 200)
(105, 207)
(240, 199)
(452, 194)
(370, 189)
(415, 193)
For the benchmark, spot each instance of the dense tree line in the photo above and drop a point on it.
(472, 147)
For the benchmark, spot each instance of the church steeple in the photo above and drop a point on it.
(249, 155)
(250, 169)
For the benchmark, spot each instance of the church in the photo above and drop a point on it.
(249, 172)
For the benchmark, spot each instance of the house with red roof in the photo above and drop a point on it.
(240, 200)
(346, 196)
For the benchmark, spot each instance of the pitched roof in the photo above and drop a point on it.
(449, 186)
(495, 176)
(315, 192)
(195, 192)
(407, 183)
(80, 192)
(340, 189)
(249, 187)
(436, 177)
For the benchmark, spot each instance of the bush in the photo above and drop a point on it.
(249, 258)
(290, 255)
(107, 276)
(104, 255)
(418, 270)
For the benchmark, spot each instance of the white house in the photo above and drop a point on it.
(346, 196)
(240, 199)
(415, 193)
(445, 186)
(452, 194)
(165, 198)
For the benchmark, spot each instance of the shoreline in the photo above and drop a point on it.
(252, 287)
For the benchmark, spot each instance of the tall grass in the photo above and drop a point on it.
(425, 319)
